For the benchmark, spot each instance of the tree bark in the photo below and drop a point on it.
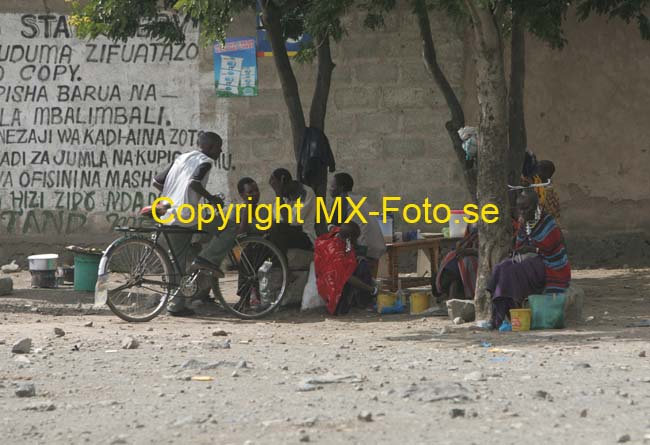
(271, 18)
(457, 120)
(518, 140)
(318, 110)
(493, 155)
(326, 66)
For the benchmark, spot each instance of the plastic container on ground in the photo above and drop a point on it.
(520, 319)
(264, 282)
(547, 311)
(85, 272)
(457, 224)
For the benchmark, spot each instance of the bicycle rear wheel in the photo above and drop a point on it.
(138, 277)
(262, 279)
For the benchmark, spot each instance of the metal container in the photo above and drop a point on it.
(44, 278)
(43, 262)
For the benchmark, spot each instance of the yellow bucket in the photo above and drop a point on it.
(419, 302)
(385, 300)
(520, 319)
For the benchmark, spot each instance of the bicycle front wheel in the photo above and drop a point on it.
(262, 279)
(138, 278)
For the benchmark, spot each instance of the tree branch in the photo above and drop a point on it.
(457, 116)
(518, 140)
(326, 66)
(271, 18)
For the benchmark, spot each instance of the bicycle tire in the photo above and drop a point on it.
(266, 248)
(165, 287)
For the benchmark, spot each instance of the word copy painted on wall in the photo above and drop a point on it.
(235, 68)
(86, 125)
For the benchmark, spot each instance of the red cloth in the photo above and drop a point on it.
(333, 267)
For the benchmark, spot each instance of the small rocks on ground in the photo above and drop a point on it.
(304, 437)
(130, 343)
(26, 390)
(583, 413)
(543, 395)
(121, 439)
(365, 416)
(624, 438)
(457, 412)
(220, 333)
(461, 308)
(476, 376)
(59, 332)
(458, 321)
(22, 346)
(222, 344)
(642, 354)
(88, 325)
(41, 407)
(11, 267)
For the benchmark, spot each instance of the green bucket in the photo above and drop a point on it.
(85, 272)
(547, 311)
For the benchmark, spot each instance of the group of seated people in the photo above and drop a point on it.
(346, 255)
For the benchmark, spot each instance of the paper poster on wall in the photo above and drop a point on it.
(235, 67)
(264, 48)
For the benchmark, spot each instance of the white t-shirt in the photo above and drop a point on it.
(371, 235)
(177, 184)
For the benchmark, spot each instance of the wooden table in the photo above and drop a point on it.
(432, 248)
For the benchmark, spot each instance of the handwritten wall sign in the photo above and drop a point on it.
(85, 125)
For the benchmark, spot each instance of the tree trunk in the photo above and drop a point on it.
(493, 155)
(457, 116)
(518, 141)
(271, 19)
(318, 110)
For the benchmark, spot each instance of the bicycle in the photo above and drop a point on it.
(137, 277)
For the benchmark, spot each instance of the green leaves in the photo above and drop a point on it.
(627, 10)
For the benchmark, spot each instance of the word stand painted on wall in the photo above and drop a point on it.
(235, 68)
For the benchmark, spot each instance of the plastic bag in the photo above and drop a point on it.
(310, 297)
(469, 136)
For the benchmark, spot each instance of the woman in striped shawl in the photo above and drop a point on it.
(538, 264)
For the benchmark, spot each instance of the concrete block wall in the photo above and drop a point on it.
(385, 119)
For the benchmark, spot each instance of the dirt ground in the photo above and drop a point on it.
(298, 377)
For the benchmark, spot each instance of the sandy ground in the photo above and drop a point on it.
(399, 379)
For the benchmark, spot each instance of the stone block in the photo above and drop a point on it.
(268, 149)
(356, 98)
(260, 124)
(6, 286)
(299, 259)
(297, 280)
(358, 147)
(407, 97)
(339, 123)
(403, 148)
(372, 73)
(415, 73)
(574, 303)
(461, 308)
(382, 122)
